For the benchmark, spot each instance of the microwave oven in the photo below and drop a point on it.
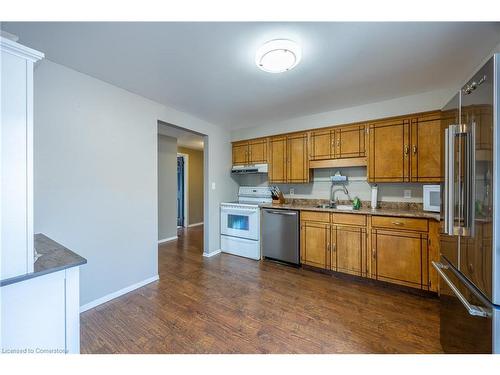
(432, 198)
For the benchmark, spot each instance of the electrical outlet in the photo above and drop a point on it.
(407, 194)
(292, 191)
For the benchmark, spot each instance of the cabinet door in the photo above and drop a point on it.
(315, 244)
(257, 151)
(298, 163)
(350, 141)
(277, 159)
(349, 249)
(389, 151)
(240, 153)
(426, 148)
(400, 257)
(321, 144)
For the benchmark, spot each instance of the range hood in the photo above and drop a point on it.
(249, 169)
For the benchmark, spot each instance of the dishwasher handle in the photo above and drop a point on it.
(282, 212)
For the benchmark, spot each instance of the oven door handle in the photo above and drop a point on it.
(471, 309)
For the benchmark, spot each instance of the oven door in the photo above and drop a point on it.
(240, 222)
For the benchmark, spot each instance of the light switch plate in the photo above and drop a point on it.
(407, 194)
(292, 191)
(213, 185)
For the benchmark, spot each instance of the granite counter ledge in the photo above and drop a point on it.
(362, 211)
(54, 257)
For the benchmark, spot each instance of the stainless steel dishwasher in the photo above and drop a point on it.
(280, 235)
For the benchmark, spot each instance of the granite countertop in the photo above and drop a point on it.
(398, 210)
(54, 257)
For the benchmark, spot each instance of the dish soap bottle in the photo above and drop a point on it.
(356, 203)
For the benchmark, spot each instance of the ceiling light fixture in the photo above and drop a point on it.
(278, 56)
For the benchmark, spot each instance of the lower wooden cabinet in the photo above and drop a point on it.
(315, 244)
(400, 257)
(348, 249)
(395, 250)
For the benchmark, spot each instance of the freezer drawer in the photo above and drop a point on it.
(467, 318)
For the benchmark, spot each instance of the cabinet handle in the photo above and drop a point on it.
(398, 223)
(328, 247)
(406, 149)
(338, 142)
(334, 247)
(414, 149)
(374, 253)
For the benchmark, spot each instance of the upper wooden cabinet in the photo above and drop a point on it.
(426, 145)
(406, 149)
(250, 152)
(288, 159)
(341, 142)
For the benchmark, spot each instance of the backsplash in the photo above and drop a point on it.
(357, 185)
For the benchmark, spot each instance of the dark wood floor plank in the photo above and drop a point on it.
(228, 304)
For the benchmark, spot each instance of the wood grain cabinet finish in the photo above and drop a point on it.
(288, 159)
(389, 151)
(348, 249)
(315, 244)
(400, 257)
(250, 152)
(426, 145)
(340, 142)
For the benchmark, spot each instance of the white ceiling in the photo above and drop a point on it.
(184, 138)
(208, 69)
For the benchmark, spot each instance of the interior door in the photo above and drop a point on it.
(180, 191)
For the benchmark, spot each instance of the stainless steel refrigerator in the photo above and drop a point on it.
(469, 266)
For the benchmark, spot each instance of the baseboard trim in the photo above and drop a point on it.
(212, 253)
(118, 293)
(167, 239)
(195, 224)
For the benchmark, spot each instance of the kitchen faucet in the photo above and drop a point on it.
(333, 201)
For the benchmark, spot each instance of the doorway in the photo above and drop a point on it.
(182, 190)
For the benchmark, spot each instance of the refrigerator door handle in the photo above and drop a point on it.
(449, 201)
(471, 309)
(470, 183)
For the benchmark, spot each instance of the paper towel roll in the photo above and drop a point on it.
(374, 196)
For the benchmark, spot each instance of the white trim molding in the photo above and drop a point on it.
(195, 224)
(208, 255)
(167, 239)
(19, 50)
(118, 293)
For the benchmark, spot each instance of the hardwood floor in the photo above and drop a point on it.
(228, 304)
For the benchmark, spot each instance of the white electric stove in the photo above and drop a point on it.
(240, 222)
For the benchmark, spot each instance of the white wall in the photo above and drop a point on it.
(167, 187)
(96, 175)
(400, 106)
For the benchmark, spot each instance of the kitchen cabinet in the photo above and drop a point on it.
(348, 249)
(426, 146)
(288, 159)
(250, 152)
(400, 256)
(406, 149)
(315, 244)
(389, 151)
(338, 147)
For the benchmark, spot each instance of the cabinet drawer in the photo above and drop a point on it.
(349, 219)
(399, 223)
(315, 216)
